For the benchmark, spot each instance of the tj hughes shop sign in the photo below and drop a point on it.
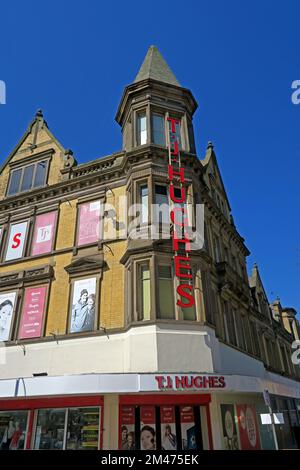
(179, 219)
(190, 382)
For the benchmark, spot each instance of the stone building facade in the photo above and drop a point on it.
(95, 349)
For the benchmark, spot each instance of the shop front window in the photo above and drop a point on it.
(50, 429)
(13, 428)
(165, 427)
(71, 429)
(83, 429)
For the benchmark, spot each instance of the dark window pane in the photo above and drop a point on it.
(50, 429)
(13, 425)
(158, 130)
(27, 178)
(14, 181)
(40, 174)
(83, 429)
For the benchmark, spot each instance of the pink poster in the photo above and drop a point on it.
(89, 223)
(33, 312)
(44, 231)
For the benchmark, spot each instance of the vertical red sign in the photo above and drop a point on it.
(248, 428)
(33, 312)
(181, 240)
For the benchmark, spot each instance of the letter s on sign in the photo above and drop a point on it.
(16, 240)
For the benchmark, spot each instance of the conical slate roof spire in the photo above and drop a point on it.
(155, 67)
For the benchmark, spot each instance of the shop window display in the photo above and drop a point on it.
(83, 429)
(13, 426)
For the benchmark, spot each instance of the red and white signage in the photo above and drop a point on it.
(190, 382)
(181, 241)
(248, 428)
(44, 231)
(127, 428)
(89, 223)
(16, 241)
(33, 312)
(188, 428)
(168, 428)
(148, 428)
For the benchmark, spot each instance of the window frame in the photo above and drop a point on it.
(101, 223)
(26, 240)
(22, 168)
(21, 306)
(97, 319)
(141, 113)
(15, 313)
(66, 408)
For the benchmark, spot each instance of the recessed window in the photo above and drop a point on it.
(158, 130)
(144, 204)
(165, 292)
(162, 210)
(145, 292)
(28, 177)
(141, 129)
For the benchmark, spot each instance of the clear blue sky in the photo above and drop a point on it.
(73, 60)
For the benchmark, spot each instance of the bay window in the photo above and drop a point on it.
(144, 291)
(166, 308)
(158, 129)
(141, 129)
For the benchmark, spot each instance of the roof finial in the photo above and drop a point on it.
(39, 113)
(210, 145)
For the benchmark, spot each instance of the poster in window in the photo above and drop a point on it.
(83, 305)
(127, 428)
(168, 428)
(188, 428)
(230, 438)
(43, 235)
(89, 223)
(148, 428)
(7, 306)
(13, 425)
(248, 427)
(16, 241)
(33, 312)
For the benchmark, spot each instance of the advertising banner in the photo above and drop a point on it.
(188, 428)
(83, 305)
(43, 235)
(33, 312)
(16, 241)
(89, 223)
(230, 437)
(7, 306)
(248, 427)
(127, 428)
(168, 428)
(148, 428)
